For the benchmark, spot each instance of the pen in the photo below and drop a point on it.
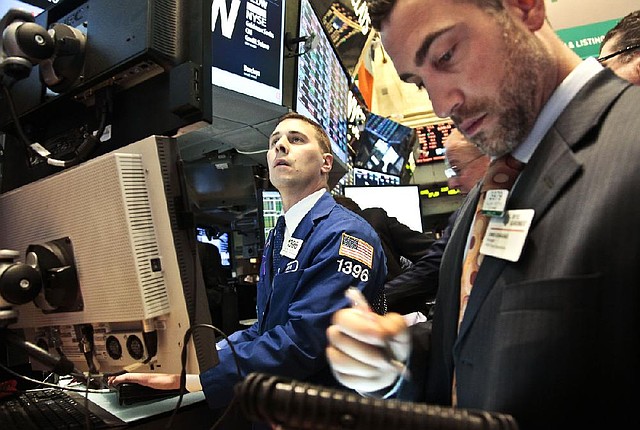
(358, 301)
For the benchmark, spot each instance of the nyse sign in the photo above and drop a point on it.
(247, 39)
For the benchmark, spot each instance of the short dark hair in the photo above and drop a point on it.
(628, 28)
(321, 134)
(379, 10)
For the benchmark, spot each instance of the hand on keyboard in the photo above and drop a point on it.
(130, 393)
(141, 387)
(159, 381)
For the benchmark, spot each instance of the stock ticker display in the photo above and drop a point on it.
(431, 141)
(327, 104)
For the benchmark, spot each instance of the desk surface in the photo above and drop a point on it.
(143, 410)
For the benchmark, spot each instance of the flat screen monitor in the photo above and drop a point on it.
(431, 141)
(220, 241)
(125, 265)
(270, 210)
(129, 72)
(371, 177)
(384, 145)
(247, 44)
(399, 201)
(322, 83)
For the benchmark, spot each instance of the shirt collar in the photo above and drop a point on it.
(558, 101)
(296, 212)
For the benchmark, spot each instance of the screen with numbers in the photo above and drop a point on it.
(431, 141)
(270, 209)
(323, 84)
(371, 177)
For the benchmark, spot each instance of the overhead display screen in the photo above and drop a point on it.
(323, 85)
(247, 43)
(431, 140)
(384, 145)
(371, 177)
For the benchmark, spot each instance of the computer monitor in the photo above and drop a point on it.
(431, 139)
(400, 201)
(371, 177)
(220, 241)
(270, 209)
(244, 79)
(322, 83)
(384, 145)
(135, 71)
(118, 259)
(247, 52)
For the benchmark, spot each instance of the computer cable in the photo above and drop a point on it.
(90, 142)
(183, 373)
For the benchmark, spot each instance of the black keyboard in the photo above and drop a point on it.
(51, 408)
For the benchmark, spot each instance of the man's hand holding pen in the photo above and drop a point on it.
(367, 351)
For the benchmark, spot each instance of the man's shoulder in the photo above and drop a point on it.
(340, 219)
(333, 218)
(340, 214)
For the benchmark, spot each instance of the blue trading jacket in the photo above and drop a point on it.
(338, 249)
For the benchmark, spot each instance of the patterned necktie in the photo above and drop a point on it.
(278, 239)
(502, 174)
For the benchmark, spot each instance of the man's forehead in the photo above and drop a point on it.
(292, 125)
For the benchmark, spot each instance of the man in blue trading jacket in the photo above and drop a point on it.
(326, 249)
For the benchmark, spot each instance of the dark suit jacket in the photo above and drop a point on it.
(553, 339)
(411, 290)
(397, 239)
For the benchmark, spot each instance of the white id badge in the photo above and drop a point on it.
(494, 202)
(506, 235)
(291, 247)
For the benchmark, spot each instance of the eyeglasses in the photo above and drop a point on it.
(451, 171)
(621, 51)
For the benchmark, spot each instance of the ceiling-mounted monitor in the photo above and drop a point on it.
(371, 177)
(247, 43)
(244, 77)
(322, 83)
(384, 145)
(431, 139)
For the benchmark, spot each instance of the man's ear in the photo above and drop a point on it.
(532, 13)
(328, 162)
(636, 68)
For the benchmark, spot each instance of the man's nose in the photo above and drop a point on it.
(445, 97)
(282, 145)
